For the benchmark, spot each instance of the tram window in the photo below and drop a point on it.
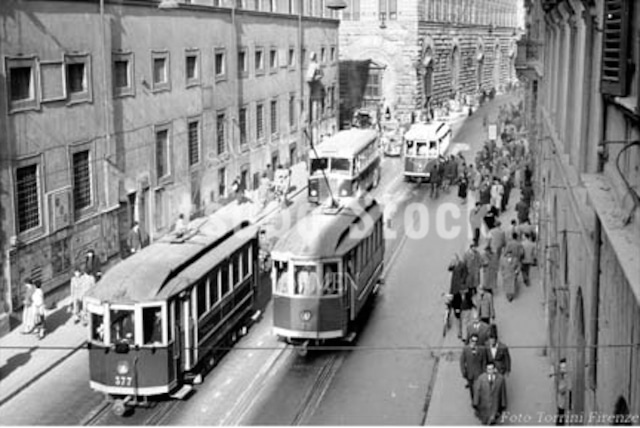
(201, 297)
(331, 284)
(245, 261)
(213, 288)
(409, 147)
(319, 164)
(235, 270)
(122, 325)
(97, 327)
(342, 165)
(152, 326)
(224, 280)
(422, 149)
(307, 283)
(282, 277)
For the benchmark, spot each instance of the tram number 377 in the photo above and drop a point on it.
(123, 380)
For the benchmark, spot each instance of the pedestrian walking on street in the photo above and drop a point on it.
(563, 392)
(498, 353)
(92, 265)
(497, 238)
(473, 261)
(463, 184)
(479, 329)
(458, 289)
(472, 363)
(476, 217)
(483, 303)
(28, 314)
(497, 190)
(181, 226)
(510, 267)
(39, 309)
(529, 258)
(263, 190)
(77, 293)
(522, 211)
(134, 239)
(490, 268)
(490, 396)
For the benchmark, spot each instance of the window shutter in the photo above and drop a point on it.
(615, 48)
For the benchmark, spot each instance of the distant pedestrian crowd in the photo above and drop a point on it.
(501, 257)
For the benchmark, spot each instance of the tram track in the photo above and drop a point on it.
(155, 414)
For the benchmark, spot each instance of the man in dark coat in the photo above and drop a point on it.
(92, 265)
(472, 362)
(490, 396)
(498, 353)
(458, 289)
(479, 329)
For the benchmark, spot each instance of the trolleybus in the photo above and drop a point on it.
(424, 143)
(350, 161)
(157, 317)
(325, 270)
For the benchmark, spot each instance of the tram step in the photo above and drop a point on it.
(182, 392)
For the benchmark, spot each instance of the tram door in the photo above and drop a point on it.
(349, 285)
(176, 313)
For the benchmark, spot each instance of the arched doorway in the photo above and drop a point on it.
(579, 360)
(497, 66)
(621, 412)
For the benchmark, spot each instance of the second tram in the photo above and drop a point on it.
(424, 143)
(325, 270)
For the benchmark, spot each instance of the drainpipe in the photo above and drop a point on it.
(106, 95)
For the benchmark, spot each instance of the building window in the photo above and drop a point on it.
(162, 153)
(78, 77)
(259, 57)
(373, 90)
(323, 55)
(193, 136)
(243, 63)
(122, 74)
(455, 68)
(81, 181)
(52, 81)
(292, 58)
(21, 75)
(192, 67)
(221, 135)
(220, 65)
(616, 40)
(222, 182)
(260, 121)
(292, 111)
(333, 54)
(274, 118)
(273, 60)
(332, 98)
(161, 77)
(28, 198)
(242, 124)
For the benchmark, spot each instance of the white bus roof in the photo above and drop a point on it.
(347, 143)
(426, 131)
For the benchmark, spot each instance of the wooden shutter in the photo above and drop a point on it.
(615, 48)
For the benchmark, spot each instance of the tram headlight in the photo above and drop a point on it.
(122, 368)
(344, 192)
(314, 192)
(305, 315)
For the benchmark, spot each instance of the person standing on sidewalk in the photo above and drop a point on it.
(92, 265)
(498, 353)
(563, 392)
(483, 302)
(528, 258)
(39, 309)
(490, 396)
(472, 363)
(510, 266)
(28, 315)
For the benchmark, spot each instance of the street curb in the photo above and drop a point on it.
(37, 377)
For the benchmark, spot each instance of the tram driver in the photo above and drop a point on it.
(282, 281)
(330, 285)
(307, 283)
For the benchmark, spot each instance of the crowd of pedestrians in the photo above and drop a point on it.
(498, 259)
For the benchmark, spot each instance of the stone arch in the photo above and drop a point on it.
(621, 412)
(497, 63)
(579, 360)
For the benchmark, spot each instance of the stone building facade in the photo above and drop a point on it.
(111, 118)
(404, 55)
(583, 119)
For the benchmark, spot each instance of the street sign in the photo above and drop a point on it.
(493, 132)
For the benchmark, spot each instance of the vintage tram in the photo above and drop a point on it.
(424, 144)
(158, 319)
(325, 270)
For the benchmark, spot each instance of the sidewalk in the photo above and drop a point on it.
(530, 392)
(22, 362)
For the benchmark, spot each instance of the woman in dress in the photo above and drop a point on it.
(28, 321)
(38, 309)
